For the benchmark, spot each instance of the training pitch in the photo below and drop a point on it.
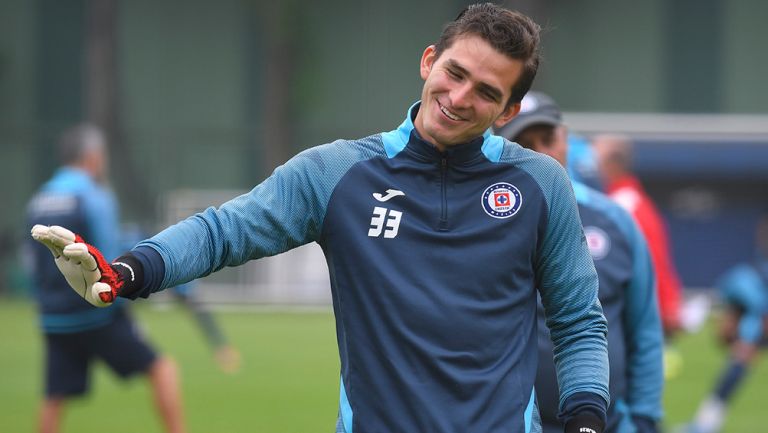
(288, 382)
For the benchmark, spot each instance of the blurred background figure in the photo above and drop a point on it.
(743, 329)
(614, 161)
(76, 334)
(581, 162)
(226, 356)
(626, 291)
(613, 153)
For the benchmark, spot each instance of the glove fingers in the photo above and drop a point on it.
(102, 295)
(78, 266)
(41, 234)
(78, 253)
(60, 236)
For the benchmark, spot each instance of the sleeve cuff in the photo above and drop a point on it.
(154, 271)
(582, 403)
(584, 423)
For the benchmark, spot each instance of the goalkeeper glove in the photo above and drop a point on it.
(82, 265)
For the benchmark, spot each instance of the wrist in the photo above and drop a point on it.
(584, 422)
(130, 274)
(581, 404)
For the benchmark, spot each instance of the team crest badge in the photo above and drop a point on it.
(501, 200)
(598, 242)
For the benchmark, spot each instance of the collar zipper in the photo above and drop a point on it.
(443, 225)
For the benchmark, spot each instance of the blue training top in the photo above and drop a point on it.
(434, 260)
(73, 200)
(628, 297)
(746, 287)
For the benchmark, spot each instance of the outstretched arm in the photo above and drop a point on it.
(283, 212)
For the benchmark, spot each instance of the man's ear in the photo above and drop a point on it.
(427, 60)
(507, 115)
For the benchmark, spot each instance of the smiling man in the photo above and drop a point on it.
(437, 236)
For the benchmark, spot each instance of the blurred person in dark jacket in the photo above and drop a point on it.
(626, 288)
(76, 333)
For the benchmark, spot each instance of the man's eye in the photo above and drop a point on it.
(453, 74)
(488, 96)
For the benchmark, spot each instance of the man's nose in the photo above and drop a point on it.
(461, 96)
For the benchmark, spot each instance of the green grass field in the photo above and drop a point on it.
(288, 382)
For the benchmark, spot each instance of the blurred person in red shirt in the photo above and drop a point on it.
(614, 160)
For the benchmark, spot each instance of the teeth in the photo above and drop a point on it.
(449, 114)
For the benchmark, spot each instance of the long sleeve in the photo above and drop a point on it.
(644, 336)
(668, 283)
(283, 212)
(569, 292)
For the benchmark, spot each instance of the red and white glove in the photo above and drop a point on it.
(82, 265)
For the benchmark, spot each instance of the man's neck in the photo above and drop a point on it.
(418, 127)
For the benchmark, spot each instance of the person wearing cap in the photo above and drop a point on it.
(626, 289)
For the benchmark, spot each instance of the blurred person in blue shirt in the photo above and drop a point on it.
(626, 287)
(76, 333)
(744, 329)
(581, 163)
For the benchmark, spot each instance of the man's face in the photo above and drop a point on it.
(546, 139)
(465, 91)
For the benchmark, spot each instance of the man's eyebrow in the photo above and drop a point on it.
(455, 65)
(491, 90)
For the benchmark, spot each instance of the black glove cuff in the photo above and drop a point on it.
(131, 273)
(584, 423)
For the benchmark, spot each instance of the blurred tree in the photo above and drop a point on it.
(282, 35)
(102, 99)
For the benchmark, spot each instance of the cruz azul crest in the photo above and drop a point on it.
(598, 241)
(501, 200)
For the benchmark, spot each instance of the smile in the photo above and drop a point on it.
(448, 114)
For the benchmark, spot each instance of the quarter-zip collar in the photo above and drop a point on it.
(457, 155)
(405, 136)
